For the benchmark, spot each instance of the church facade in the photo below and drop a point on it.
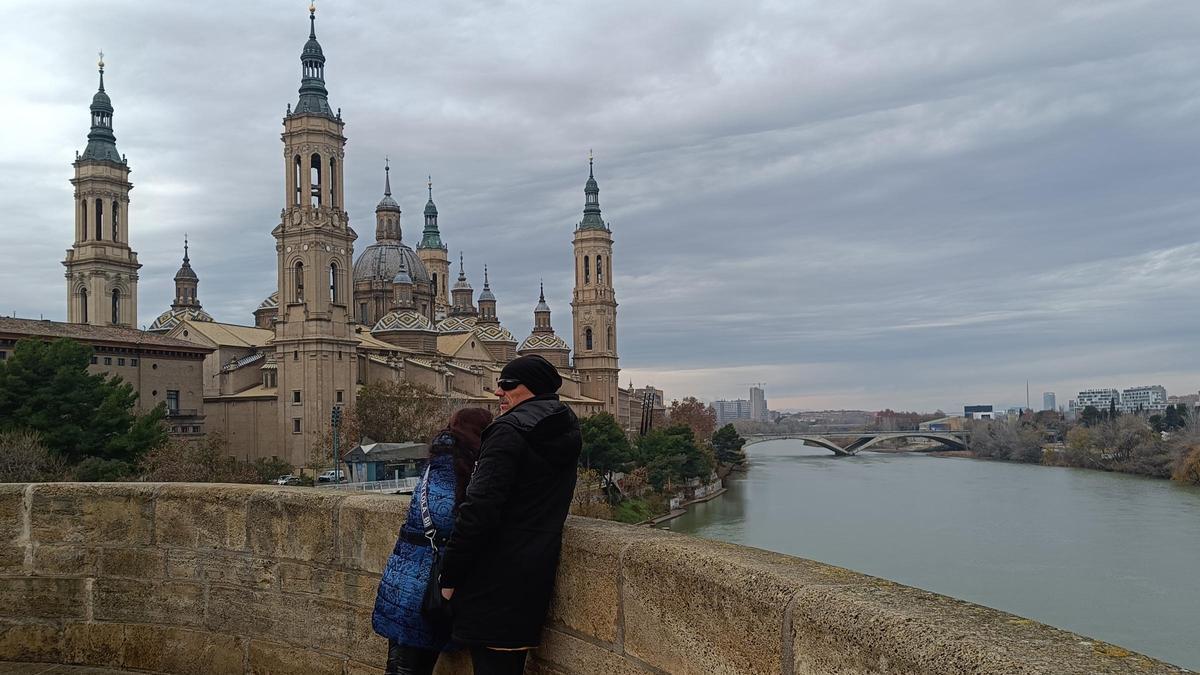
(338, 319)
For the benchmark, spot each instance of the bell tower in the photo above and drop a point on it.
(594, 303)
(102, 271)
(314, 244)
(432, 252)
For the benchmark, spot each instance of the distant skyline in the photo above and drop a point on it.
(909, 205)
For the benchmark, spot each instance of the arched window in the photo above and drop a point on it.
(333, 282)
(298, 281)
(587, 339)
(99, 219)
(608, 267)
(435, 286)
(83, 305)
(314, 177)
(333, 200)
(116, 306)
(587, 270)
(610, 339)
(116, 221)
(599, 269)
(297, 179)
(83, 214)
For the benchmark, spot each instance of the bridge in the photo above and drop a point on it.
(953, 440)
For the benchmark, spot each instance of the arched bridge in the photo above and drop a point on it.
(954, 440)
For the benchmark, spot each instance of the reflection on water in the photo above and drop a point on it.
(1108, 555)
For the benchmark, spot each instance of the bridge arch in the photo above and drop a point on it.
(954, 440)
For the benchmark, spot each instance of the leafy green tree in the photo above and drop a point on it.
(727, 444)
(1091, 416)
(606, 449)
(672, 454)
(45, 387)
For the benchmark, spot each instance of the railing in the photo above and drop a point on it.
(182, 412)
(395, 485)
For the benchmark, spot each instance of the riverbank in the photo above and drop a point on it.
(675, 513)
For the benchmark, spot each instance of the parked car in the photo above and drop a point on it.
(288, 479)
(330, 475)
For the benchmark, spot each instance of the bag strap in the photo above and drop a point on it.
(426, 518)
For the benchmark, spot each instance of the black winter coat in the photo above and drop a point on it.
(501, 559)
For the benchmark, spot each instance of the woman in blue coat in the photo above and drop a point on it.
(414, 644)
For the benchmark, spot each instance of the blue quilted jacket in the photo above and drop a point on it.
(398, 602)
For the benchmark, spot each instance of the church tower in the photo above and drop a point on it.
(594, 304)
(464, 296)
(186, 284)
(314, 244)
(433, 253)
(102, 271)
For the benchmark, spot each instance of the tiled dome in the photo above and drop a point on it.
(456, 324)
(403, 320)
(495, 333)
(543, 341)
(382, 261)
(171, 318)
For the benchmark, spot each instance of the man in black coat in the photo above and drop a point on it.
(499, 565)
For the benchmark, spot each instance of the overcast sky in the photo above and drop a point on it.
(906, 204)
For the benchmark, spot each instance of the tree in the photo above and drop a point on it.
(727, 445)
(395, 412)
(24, 459)
(1091, 416)
(45, 387)
(203, 461)
(694, 414)
(672, 454)
(606, 449)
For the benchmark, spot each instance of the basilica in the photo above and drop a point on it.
(336, 319)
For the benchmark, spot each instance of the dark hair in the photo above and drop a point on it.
(465, 427)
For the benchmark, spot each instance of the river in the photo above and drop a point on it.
(1107, 555)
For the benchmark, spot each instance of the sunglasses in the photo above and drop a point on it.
(508, 384)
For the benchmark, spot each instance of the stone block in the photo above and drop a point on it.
(365, 645)
(586, 594)
(273, 658)
(64, 560)
(12, 559)
(94, 644)
(233, 568)
(693, 606)
(30, 642)
(29, 598)
(166, 603)
(269, 615)
(564, 653)
(356, 668)
(203, 516)
(367, 529)
(12, 512)
(167, 649)
(355, 588)
(92, 513)
(293, 524)
(147, 564)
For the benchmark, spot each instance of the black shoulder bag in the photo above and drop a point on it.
(434, 607)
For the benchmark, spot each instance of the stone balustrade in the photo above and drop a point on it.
(187, 578)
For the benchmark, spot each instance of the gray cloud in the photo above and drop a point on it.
(906, 204)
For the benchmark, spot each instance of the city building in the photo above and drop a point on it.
(334, 321)
(1048, 402)
(758, 404)
(160, 369)
(730, 410)
(978, 412)
(1148, 399)
(1097, 398)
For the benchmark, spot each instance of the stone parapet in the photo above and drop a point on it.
(182, 578)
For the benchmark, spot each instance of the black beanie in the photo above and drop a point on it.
(534, 372)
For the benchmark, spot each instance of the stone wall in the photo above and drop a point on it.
(179, 578)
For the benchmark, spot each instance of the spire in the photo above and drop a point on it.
(314, 98)
(541, 306)
(486, 294)
(102, 144)
(185, 270)
(185, 250)
(591, 206)
(387, 203)
(430, 236)
(186, 282)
